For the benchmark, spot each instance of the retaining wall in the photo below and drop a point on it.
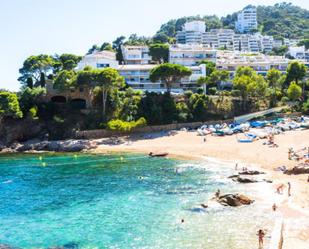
(101, 133)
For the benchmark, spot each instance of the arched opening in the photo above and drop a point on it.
(58, 99)
(78, 103)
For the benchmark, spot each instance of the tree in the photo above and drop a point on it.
(210, 66)
(35, 67)
(304, 42)
(296, 71)
(274, 79)
(249, 84)
(159, 52)
(160, 38)
(203, 81)
(294, 91)
(106, 47)
(93, 48)
(107, 79)
(117, 47)
(168, 74)
(29, 98)
(65, 62)
(64, 80)
(9, 106)
(217, 76)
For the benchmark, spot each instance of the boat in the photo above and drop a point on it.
(163, 154)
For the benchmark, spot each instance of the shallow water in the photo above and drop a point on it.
(122, 201)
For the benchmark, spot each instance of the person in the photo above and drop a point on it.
(261, 235)
(182, 220)
(289, 189)
(236, 165)
(308, 179)
(279, 189)
(274, 207)
(218, 193)
(204, 139)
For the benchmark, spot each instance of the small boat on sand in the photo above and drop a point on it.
(163, 154)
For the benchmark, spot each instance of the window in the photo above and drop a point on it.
(102, 65)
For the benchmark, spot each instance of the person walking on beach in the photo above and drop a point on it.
(274, 207)
(261, 235)
(217, 193)
(236, 166)
(289, 189)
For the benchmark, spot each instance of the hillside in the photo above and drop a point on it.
(282, 20)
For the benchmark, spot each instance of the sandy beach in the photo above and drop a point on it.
(188, 145)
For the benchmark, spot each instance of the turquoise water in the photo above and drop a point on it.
(121, 201)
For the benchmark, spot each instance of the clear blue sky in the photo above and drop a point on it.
(29, 27)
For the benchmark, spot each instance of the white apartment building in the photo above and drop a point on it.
(135, 55)
(246, 20)
(191, 33)
(99, 60)
(190, 54)
(299, 53)
(137, 77)
(230, 61)
(219, 38)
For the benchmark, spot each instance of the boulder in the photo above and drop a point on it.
(243, 179)
(5, 246)
(234, 200)
(297, 170)
(251, 172)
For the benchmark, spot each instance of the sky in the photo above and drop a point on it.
(31, 27)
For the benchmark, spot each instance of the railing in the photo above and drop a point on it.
(244, 118)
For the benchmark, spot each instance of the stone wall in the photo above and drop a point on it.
(93, 134)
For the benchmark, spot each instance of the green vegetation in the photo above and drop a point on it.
(119, 125)
(9, 106)
(282, 20)
(294, 91)
(169, 74)
(159, 52)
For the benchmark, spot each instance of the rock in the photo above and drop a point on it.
(233, 176)
(251, 172)
(243, 179)
(4, 246)
(297, 170)
(234, 200)
(71, 245)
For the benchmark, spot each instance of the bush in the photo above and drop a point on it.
(306, 107)
(284, 99)
(294, 91)
(33, 112)
(212, 91)
(200, 90)
(235, 93)
(119, 125)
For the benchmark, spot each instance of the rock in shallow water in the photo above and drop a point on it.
(234, 200)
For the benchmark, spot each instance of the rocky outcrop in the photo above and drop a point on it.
(4, 246)
(55, 146)
(251, 172)
(243, 179)
(66, 246)
(297, 170)
(234, 200)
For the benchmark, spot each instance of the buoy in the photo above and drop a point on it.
(43, 164)
(75, 156)
(121, 159)
(40, 158)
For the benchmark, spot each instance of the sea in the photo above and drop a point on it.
(125, 201)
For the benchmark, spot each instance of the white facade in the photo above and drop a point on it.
(299, 53)
(190, 55)
(191, 33)
(261, 63)
(219, 38)
(137, 77)
(198, 26)
(247, 20)
(99, 60)
(136, 55)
